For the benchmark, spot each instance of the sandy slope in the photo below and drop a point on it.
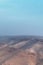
(30, 56)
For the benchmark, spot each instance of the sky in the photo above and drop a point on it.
(21, 17)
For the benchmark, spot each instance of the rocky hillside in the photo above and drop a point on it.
(27, 50)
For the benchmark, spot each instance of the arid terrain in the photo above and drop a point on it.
(21, 50)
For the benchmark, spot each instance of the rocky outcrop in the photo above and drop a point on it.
(35, 54)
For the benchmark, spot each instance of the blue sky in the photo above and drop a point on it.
(21, 17)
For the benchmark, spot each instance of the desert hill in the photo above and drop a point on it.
(21, 50)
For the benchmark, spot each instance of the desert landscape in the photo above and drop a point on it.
(21, 50)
